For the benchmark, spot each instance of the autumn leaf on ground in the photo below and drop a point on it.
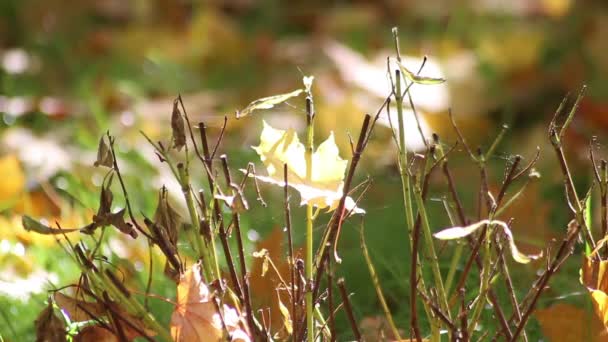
(278, 147)
(196, 318)
(12, 182)
(564, 323)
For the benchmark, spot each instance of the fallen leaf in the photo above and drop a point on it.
(196, 318)
(564, 323)
(324, 190)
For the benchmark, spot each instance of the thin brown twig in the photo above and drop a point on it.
(349, 309)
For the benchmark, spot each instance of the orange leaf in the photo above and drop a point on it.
(196, 318)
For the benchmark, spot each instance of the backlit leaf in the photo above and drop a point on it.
(324, 190)
(267, 103)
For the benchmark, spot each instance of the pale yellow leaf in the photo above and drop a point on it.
(267, 103)
(324, 188)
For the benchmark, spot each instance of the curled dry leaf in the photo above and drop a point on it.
(104, 154)
(460, 232)
(267, 102)
(196, 318)
(167, 217)
(178, 127)
(278, 147)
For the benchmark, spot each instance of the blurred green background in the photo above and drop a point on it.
(70, 71)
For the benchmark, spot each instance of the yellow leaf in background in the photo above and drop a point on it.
(565, 323)
(12, 182)
(324, 190)
(595, 278)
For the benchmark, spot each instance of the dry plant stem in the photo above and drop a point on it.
(439, 313)
(376, 282)
(124, 189)
(562, 254)
(192, 231)
(330, 302)
(349, 310)
(564, 248)
(604, 200)
(310, 323)
(244, 275)
(557, 146)
(510, 289)
(292, 261)
(602, 185)
(443, 303)
(556, 142)
(217, 218)
(101, 283)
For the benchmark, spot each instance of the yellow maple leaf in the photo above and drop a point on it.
(324, 190)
